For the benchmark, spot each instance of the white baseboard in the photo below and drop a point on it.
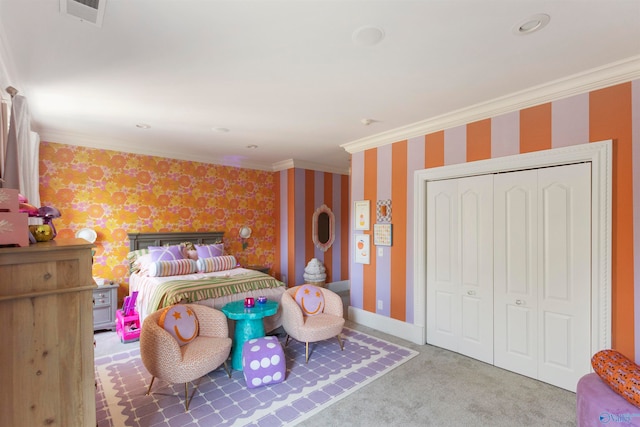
(390, 326)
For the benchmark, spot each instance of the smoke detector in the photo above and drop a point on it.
(91, 11)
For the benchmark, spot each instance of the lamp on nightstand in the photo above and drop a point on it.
(90, 235)
(87, 234)
(245, 233)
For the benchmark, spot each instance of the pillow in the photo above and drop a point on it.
(181, 322)
(133, 256)
(619, 373)
(142, 264)
(218, 263)
(192, 254)
(165, 253)
(310, 299)
(189, 250)
(176, 267)
(210, 251)
(188, 246)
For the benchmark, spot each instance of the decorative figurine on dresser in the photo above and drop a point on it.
(14, 228)
(46, 310)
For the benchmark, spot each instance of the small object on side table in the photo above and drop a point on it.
(262, 299)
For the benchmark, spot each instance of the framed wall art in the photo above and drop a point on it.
(382, 234)
(361, 248)
(383, 211)
(361, 212)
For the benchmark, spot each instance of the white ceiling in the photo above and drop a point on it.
(287, 75)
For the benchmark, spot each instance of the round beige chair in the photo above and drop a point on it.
(165, 359)
(318, 327)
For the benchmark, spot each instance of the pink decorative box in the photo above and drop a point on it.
(8, 200)
(14, 229)
(128, 327)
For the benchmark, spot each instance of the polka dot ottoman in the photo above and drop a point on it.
(263, 362)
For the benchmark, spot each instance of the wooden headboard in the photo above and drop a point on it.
(144, 240)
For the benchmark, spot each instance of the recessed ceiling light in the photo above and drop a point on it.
(531, 24)
(368, 36)
(143, 126)
(252, 146)
(221, 130)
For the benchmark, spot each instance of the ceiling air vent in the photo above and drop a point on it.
(91, 11)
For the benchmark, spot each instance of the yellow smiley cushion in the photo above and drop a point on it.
(181, 322)
(310, 299)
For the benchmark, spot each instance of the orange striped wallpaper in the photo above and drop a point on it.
(434, 150)
(609, 117)
(345, 215)
(370, 193)
(328, 200)
(535, 128)
(309, 208)
(479, 140)
(399, 248)
(307, 190)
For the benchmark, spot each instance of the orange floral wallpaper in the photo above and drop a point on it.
(118, 193)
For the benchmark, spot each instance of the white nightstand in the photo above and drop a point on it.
(105, 304)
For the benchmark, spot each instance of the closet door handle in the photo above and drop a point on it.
(519, 302)
(471, 292)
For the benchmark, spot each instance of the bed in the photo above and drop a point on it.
(214, 287)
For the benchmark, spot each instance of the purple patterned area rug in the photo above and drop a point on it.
(329, 376)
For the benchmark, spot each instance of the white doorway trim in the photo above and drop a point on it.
(600, 156)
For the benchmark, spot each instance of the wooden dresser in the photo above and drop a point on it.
(46, 313)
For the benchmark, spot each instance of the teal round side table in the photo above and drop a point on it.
(248, 325)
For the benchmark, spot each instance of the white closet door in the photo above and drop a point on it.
(543, 273)
(460, 266)
(515, 272)
(475, 206)
(443, 276)
(564, 274)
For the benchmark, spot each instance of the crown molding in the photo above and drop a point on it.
(122, 146)
(302, 164)
(597, 78)
(283, 165)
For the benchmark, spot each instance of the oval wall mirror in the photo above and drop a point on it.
(323, 228)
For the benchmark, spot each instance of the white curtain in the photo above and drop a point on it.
(22, 153)
(29, 158)
(4, 134)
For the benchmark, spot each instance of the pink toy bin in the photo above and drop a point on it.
(128, 327)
